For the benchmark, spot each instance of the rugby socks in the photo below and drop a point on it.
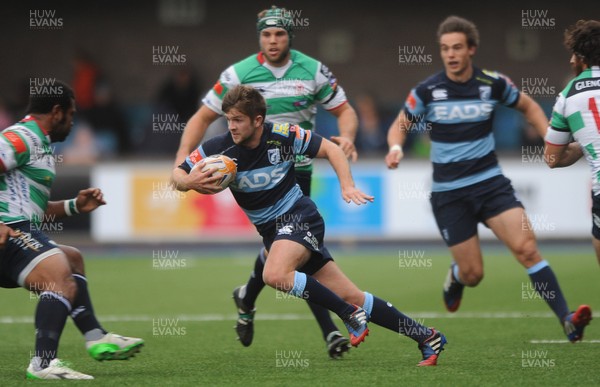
(255, 282)
(50, 318)
(455, 272)
(380, 312)
(310, 289)
(83, 313)
(323, 318)
(545, 283)
(384, 314)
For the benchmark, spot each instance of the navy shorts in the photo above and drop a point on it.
(458, 212)
(303, 179)
(596, 216)
(21, 254)
(302, 224)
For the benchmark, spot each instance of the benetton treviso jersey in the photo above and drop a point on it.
(291, 92)
(27, 157)
(459, 121)
(576, 115)
(265, 185)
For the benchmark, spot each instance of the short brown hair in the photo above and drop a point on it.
(247, 100)
(459, 24)
(583, 40)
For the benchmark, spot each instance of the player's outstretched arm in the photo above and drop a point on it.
(533, 114)
(395, 138)
(348, 125)
(338, 161)
(194, 132)
(87, 200)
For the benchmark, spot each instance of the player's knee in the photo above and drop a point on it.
(527, 253)
(75, 259)
(65, 287)
(277, 279)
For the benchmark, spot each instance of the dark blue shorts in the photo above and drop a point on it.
(458, 212)
(303, 179)
(302, 224)
(21, 254)
(596, 216)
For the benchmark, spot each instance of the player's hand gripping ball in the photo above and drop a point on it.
(225, 167)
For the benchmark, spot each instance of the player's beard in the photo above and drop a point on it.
(281, 58)
(62, 130)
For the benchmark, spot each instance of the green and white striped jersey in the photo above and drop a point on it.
(576, 115)
(27, 157)
(292, 92)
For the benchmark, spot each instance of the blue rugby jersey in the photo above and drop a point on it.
(459, 118)
(265, 184)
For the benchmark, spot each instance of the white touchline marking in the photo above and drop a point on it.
(563, 341)
(292, 316)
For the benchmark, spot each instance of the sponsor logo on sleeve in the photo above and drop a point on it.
(16, 141)
(281, 129)
(218, 88)
(330, 77)
(195, 156)
(411, 102)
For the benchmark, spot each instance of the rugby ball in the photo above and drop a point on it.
(225, 167)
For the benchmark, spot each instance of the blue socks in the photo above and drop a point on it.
(384, 314)
(308, 288)
(380, 312)
(545, 283)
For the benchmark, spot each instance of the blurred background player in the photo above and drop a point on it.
(292, 83)
(468, 185)
(576, 113)
(28, 257)
(289, 222)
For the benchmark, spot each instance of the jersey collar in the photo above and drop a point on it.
(29, 118)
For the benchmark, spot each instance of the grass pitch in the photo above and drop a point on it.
(181, 305)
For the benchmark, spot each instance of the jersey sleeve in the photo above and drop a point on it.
(414, 105)
(556, 137)
(305, 142)
(214, 98)
(328, 92)
(558, 132)
(510, 93)
(558, 120)
(206, 149)
(15, 149)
